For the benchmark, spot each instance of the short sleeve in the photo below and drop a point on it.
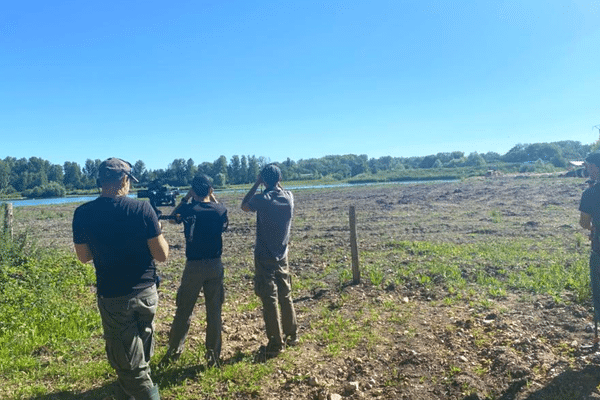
(79, 234)
(153, 226)
(586, 205)
(255, 202)
(225, 220)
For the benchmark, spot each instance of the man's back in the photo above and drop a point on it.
(117, 233)
(203, 224)
(274, 212)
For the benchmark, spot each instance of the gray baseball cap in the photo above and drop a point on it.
(114, 169)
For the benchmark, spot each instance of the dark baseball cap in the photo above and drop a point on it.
(271, 174)
(114, 169)
(201, 185)
(593, 158)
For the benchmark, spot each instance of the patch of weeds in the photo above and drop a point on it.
(450, 301)
(345, 276)
(497, 292)
(449, 328)
(242, 378)
(424, 280)
(486, 304)
(480, 339)
(496, 216)
(376, 276)
(341, 333)
(565, 349)
(399, 318)
(250, 304)
(453, 371)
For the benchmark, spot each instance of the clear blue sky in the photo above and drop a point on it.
(157, 80)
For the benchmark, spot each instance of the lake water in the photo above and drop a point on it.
(75, 199)
(51, 201)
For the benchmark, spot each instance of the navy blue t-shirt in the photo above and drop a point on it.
(203, 224)
(590, 204)
(117, 233)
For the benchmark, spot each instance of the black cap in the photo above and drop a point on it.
(201, 185)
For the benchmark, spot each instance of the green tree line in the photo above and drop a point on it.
(35, 177)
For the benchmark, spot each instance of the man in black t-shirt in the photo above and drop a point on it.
(590, 219)
(204, 220)
(123, 237)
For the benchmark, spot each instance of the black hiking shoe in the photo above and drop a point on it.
(212, 360)
(268, 352)
(292, 340)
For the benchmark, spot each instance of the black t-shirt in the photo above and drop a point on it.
(203, 224)
(117, 233)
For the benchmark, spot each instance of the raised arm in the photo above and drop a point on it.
(251, 192)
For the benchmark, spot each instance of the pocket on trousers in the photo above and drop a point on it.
(125, 354)
(150, 301)
(260, 285)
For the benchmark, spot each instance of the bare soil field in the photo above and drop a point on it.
(522, 346)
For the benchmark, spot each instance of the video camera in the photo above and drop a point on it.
(159, 195)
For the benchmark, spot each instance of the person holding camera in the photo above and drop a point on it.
(590, 219)
(274, 209)
(204, 220)
(123, 237)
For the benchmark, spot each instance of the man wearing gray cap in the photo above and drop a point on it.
(590, 219)
(274, 209)
(123, 237)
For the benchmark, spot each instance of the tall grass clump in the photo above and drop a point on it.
(47, 306)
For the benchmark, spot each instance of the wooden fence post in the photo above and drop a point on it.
(354, 247)
(8, 219)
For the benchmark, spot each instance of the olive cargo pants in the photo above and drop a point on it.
(129, 335)
(273, 284)
(199, 275)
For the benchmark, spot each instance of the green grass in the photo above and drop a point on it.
(239, 378)
(50, 332)
(529, 265)
(47, 319)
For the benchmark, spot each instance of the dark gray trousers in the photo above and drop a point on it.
(129, 335)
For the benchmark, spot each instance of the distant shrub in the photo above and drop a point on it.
(51, 189)
(527, 168)
(8, 190)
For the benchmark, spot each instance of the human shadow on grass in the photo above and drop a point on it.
(177, 373)
(104, 392)
(571, 385)
(166, 377)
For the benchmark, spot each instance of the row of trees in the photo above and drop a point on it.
(35, 177)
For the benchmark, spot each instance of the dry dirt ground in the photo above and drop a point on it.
(533, 346)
